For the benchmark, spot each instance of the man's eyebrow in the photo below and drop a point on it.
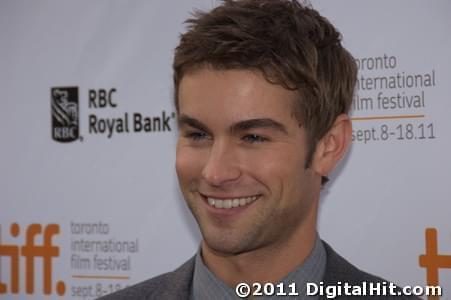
(184, 120)
(259, 123)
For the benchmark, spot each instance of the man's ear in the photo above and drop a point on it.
(332, 147)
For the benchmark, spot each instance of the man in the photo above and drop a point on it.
(262, 92)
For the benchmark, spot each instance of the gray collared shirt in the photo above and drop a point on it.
(207, 286)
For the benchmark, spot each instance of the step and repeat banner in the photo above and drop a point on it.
(89, 196)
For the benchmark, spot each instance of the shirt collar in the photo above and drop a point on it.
(207, 286)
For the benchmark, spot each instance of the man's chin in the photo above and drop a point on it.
(223, 246)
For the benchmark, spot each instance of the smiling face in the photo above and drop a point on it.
(240, 161)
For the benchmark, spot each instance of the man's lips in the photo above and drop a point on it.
(227, 203)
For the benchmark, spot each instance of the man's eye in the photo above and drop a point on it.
(196, 136)
(254, 138)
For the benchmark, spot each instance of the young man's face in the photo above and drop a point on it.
(240, 161)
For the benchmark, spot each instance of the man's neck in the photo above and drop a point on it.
(267, 264)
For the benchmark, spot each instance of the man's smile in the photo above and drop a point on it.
(230, 202)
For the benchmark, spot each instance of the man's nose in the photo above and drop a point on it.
(221, 164)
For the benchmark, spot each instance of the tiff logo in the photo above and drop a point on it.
(65, 114)
(433, 261)
(29, 252)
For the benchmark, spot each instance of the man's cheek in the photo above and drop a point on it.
(188, 164)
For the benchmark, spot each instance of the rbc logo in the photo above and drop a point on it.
(65, 116)
(29, 251)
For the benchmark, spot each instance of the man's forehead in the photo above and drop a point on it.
(236, 86)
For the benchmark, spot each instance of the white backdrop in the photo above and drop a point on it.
(113, 197)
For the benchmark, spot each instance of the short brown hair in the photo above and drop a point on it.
(290, 43)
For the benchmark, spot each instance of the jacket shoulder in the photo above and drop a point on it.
(339, 269)
(171, 285)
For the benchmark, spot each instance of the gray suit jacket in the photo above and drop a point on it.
(177, 284)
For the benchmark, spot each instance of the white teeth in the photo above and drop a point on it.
(218, 204)
(229, 203)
